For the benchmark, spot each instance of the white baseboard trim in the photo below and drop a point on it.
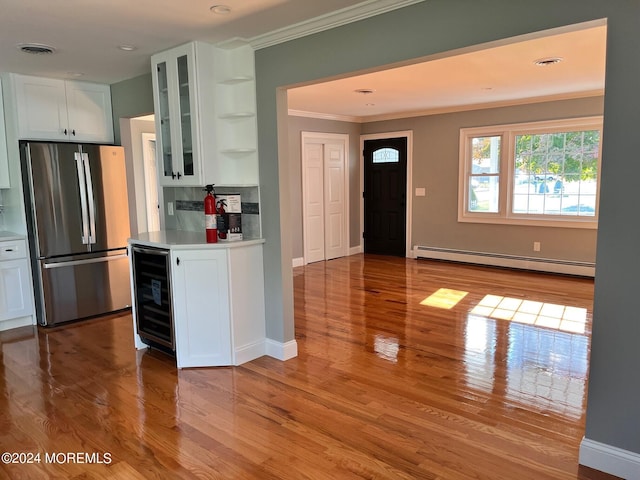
(611, 460)
(281, 351)
(297, 262)
(17, 323)
(249, 352)
(502, 260)
(355, 250)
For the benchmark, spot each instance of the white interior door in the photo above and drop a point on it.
(324, 191)
(335, 241)
(314, 202)
(150, 181)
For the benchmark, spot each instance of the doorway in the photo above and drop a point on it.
(325, 194)
(386, 195)
(151, 181)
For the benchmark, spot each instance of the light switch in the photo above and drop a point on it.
(420, 192)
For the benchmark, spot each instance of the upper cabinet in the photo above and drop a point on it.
(205, 116)
(53, 109)
(4, 159)
(179, 94)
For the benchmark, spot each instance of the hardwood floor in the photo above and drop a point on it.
(406, 370)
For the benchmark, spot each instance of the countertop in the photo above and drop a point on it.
(9, 236)
(186, 240)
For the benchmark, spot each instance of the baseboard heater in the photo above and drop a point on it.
(585, 269)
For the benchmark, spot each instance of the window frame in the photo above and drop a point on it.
(507, 134)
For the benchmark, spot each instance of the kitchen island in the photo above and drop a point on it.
(211, 293)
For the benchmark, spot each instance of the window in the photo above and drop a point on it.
(386, 155)
(543, 173)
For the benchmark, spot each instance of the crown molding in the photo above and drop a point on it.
(443, 110)
(369, 8)
(326, 116)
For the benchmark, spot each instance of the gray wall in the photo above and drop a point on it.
(297, 125)
(131, 98)
(435, 167)
(613, 415)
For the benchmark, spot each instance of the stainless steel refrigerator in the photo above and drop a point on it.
(78, 222)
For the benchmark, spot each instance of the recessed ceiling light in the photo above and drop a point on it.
(220, 9)
(365, 91)
(370, 105)
(545, 62)
(127, 48)
(75, 74)
(36, 48)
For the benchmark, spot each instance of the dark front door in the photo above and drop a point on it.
(385, 184)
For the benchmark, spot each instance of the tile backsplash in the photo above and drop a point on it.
(188, 203)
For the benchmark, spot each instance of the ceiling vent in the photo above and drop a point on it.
(36, 48)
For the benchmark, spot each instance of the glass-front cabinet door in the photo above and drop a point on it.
(176, 133)
(164, 119)
(185, 114)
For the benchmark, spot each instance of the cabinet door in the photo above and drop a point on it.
(201, 308)
(15, 296)
(4, 159)
(89, 112)
(42, 108)
(164, 147)
(175, 97)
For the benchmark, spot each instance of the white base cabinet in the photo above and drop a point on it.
(217, 300)
(16, 299)
(201, 308)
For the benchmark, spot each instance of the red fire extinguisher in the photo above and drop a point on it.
(210, 215)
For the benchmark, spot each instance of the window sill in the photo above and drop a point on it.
(560, 222)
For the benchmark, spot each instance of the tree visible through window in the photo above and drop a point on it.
(543, 173)
(556, 173)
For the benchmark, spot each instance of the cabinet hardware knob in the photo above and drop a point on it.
(173, 175)
(178, 261)
(179, 175)
(65, 131)
(73, 132)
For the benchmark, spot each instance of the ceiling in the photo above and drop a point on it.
(87, 33)
(489, 75)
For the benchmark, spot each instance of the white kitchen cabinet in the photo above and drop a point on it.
(4, 159)
(16, 299)
(201, 307)
(62, 110)
(183, 101)
(205, 106)
(217, 298)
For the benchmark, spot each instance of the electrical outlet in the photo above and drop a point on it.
(536, 246)
(420, 192)
(169, 208)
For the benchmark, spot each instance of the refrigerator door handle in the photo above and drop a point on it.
(92, 206)
(83, 198)
(48, 266)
